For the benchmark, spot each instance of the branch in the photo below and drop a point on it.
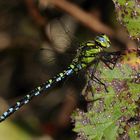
(35, 14)
(84, 17)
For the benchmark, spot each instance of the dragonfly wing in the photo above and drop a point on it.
(60, 32)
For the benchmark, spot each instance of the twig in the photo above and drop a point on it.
(84, 17)
(35, 14)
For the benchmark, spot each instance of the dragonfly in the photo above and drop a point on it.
(89, 53)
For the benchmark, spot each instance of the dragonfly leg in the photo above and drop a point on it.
(110, 58)
(94, 78)
(107, 64)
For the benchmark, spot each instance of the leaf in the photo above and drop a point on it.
(128, 14)
(10, 131)
(110, 115)
(133, 133)
(111, 132)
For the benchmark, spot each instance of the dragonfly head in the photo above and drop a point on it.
(103, 41)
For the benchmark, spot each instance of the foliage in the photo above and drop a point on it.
(113, 114)
(128, 14)
(10, 131)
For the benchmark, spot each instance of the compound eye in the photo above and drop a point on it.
(101, 39)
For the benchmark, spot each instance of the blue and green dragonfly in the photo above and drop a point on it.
(89, 53)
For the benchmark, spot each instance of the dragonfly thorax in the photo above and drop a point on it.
(90, 50)
(87, 54)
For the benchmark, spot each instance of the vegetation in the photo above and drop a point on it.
(30, 38)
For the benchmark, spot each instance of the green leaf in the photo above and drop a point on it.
(111, 132)
(134, 131)
(110, 113)
(10, 131)
(128, 13)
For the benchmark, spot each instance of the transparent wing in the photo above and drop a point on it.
(61, 36)
(61, 32)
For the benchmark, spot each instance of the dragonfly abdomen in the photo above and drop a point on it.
(73, 68)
